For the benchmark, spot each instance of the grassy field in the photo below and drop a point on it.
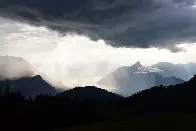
(164, 123)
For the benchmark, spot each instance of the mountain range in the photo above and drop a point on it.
(131, 79)
(127, 80)
(22, 77)
(182, 71)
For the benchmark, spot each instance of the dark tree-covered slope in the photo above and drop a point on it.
(30, 86)
(90, 92)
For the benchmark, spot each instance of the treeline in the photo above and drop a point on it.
(49, 112)
(164, 100)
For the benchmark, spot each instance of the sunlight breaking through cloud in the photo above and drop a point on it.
(75, 60)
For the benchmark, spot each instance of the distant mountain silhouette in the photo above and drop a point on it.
(90, 92)
(129, 80)
(182, 71)
(31, 86)
(15, 67)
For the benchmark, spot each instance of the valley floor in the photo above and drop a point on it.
(163, 123)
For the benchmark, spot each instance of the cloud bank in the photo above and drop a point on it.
(121, 23)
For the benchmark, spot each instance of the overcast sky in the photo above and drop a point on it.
(82, 41)
(75, 59)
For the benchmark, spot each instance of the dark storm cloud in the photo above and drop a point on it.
(122, 23)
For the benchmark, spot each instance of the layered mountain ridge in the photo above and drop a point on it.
(131, 79)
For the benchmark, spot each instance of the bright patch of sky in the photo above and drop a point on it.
(76, 60)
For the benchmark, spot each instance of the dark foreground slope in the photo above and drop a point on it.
(157, 105)
(160, 99)
(163, 123)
